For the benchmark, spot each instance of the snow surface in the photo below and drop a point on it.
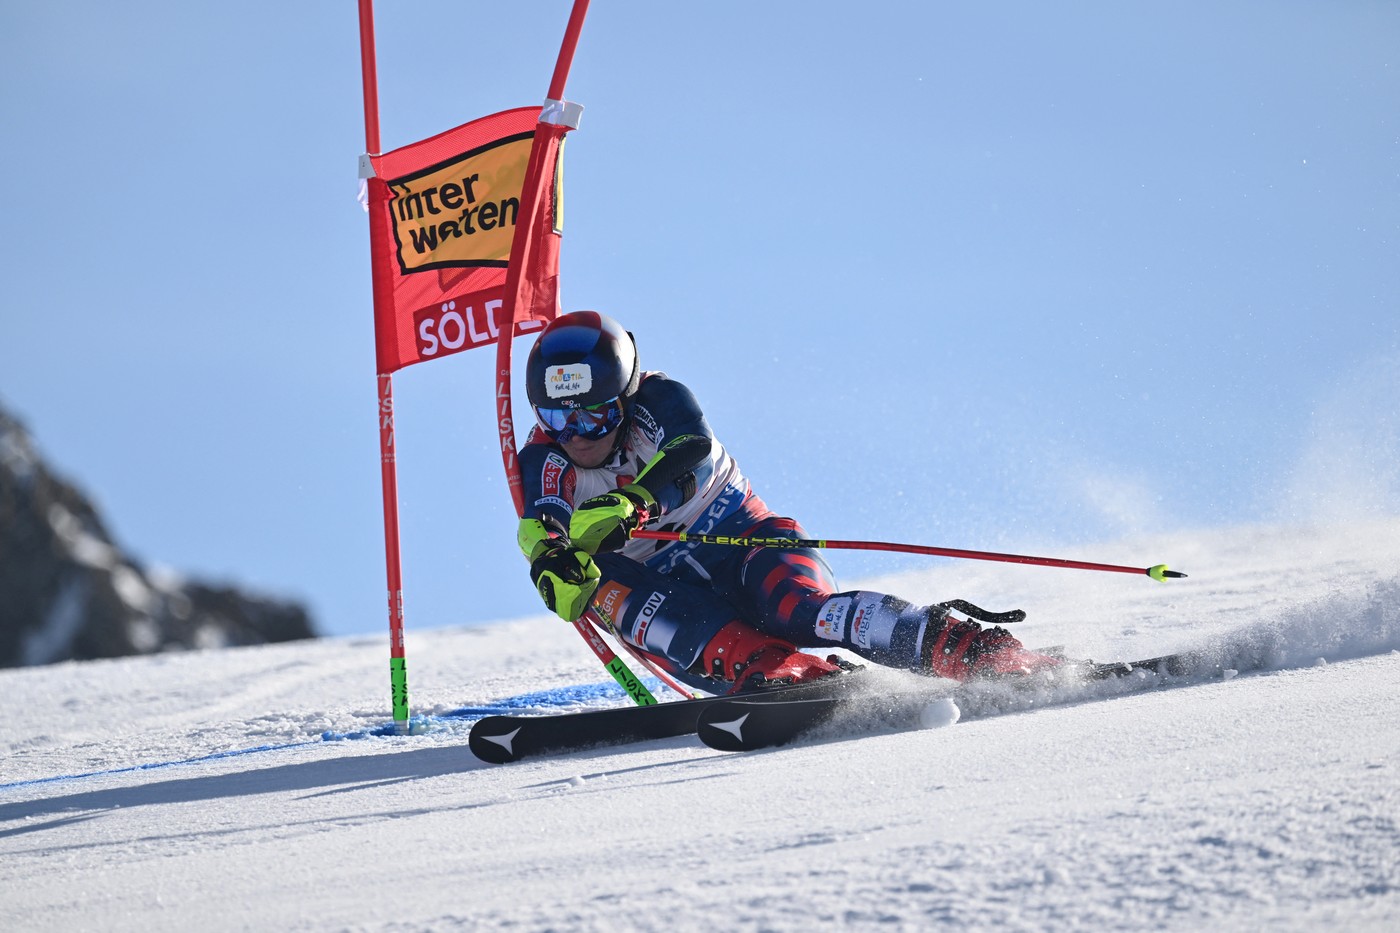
(247, 789)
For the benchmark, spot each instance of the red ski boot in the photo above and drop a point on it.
(962, 649)
(741, 655)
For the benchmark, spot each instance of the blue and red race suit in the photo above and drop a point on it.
(670, 598)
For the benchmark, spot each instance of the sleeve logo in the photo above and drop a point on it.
(831, 620)
(552, 474)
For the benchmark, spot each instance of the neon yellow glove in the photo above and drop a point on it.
(604, 522)
(564, 575)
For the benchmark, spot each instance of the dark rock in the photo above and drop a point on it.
(68, 592)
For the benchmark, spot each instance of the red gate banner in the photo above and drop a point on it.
(444, 214)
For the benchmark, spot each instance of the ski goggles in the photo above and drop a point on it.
(591, 422)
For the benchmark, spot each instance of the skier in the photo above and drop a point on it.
(616, 448)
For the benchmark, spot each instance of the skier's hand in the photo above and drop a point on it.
(604, 522)
(564, 575)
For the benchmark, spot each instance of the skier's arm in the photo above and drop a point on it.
(605, 522)
(686, 461)
(684, 464)
(547, 484)
(564, 575)
(671, 477)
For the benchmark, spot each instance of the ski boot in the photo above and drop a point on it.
(960, 649)
(748, 659)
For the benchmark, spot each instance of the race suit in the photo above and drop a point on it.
(670, 598)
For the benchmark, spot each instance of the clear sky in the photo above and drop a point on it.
(993, 275)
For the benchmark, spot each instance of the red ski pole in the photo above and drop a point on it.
(1156, 572)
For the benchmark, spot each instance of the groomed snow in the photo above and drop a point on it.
(227, 789)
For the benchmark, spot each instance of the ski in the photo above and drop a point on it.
(506, 738)
(736, 724)
(502, 739)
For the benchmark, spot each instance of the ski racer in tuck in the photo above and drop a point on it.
(616, 448)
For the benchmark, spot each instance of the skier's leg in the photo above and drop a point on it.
(693, 632)
(791, 594)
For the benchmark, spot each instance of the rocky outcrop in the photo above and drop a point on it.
(67, 591)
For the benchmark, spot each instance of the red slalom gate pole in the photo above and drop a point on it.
(588, 624)
(1156, 572)
(388, 460)
(566, 50)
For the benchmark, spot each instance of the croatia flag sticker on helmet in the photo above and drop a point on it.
(568, 381)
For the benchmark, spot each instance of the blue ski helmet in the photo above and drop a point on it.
(581, 363)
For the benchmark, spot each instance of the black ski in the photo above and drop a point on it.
(501, 739)
(736, 724)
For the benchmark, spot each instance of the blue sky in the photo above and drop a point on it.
(974, 275)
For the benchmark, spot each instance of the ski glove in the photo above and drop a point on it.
(605, 522)
(564, 575)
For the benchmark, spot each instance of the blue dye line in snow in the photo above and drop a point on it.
(539, 699)
(560, 696)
